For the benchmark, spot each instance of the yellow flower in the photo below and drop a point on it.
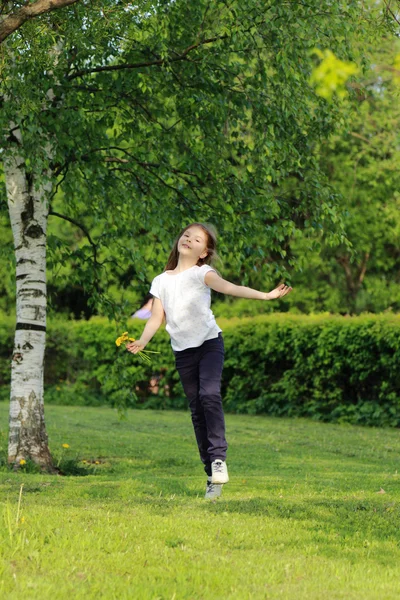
(97, 462)
(22, 462)
(143, 354)
(65, 445)
(122, 338)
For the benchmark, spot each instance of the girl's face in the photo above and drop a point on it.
(193, 243)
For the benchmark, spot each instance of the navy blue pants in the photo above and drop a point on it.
(200, 370)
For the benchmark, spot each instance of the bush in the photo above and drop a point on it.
(326, 367)
(83, 366)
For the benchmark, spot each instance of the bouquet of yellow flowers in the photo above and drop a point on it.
(144, 354)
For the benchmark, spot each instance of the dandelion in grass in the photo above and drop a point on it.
(65, 445)
(22, 462)
(144, 354)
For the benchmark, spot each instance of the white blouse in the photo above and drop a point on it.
(186, 300)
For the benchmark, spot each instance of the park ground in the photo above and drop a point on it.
(311, 512)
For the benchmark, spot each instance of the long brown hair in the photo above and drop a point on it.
(212, 255)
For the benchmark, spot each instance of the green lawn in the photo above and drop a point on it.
(304, 516)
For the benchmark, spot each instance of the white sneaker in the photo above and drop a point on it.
(219, 472)
(212, 490)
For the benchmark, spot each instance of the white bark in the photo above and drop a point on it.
(28, 208)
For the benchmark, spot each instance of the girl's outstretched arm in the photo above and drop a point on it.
(152, 325)
(215, 282)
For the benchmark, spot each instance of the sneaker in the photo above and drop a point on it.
(219, 472)
(212, 490)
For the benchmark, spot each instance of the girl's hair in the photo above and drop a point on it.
(212, 255)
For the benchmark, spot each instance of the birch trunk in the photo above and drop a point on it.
(28, 208)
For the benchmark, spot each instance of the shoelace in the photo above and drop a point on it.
(218, 467)
(211, 486)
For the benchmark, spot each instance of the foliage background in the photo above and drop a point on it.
(329, 368)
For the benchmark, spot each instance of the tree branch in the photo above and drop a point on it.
(344, 261)
(82, 227)
(363, 268)
(159, 62)
(360, 137)
(14, 20)
(391, 12)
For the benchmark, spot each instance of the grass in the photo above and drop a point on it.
(311, 512)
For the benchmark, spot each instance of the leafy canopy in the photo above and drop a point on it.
(160, 113)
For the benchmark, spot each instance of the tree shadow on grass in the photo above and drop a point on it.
(373, 519)
(337, 529)
(172, 463)
(163, 491)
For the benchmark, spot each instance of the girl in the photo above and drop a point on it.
(182, 293)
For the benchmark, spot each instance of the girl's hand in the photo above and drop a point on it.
(278, 292)
(135, 346)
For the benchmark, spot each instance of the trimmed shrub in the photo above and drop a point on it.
(325, 367)
(83, 366)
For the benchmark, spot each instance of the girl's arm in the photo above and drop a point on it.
(151, 327)
(215, 282)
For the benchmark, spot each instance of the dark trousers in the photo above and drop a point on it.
(200, 370)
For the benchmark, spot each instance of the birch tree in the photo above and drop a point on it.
(152, 115)
(28, 209)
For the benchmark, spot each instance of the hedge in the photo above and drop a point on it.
(331, 368)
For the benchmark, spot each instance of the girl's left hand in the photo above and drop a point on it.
(278, 292)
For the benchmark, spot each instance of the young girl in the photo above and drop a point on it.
(182, 293)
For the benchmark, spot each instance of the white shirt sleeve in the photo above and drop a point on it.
(155, 287)
(202, 272)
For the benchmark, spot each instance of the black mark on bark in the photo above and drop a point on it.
(30, 327)
(27, 214)
(34, 231)
(29, 293)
